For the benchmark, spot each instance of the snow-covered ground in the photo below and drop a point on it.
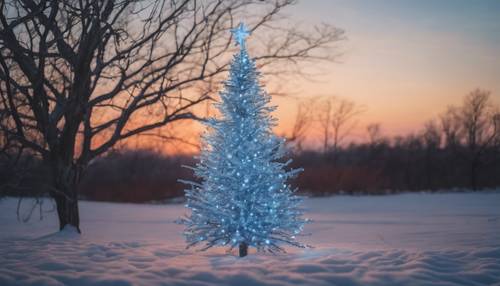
(410, 239)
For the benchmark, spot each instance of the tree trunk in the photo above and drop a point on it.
(65, 194)
(243, 249)
(67, 211)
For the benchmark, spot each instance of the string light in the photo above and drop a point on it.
(243, 196)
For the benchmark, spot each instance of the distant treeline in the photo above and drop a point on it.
(123, 176)
(458, 150)
(408, 164)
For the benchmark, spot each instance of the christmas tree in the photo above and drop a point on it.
(243, 199)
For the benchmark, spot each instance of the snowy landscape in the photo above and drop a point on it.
(407, 239)
(247, 143)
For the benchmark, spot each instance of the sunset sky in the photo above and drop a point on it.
(404, 61)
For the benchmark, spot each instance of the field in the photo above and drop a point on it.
(407, 239)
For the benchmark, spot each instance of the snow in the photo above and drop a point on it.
(409, 239)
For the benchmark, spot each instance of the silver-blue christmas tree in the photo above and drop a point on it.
(244, 198)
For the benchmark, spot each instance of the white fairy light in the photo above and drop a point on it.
(243, 197)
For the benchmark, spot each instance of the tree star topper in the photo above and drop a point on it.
(240, 33)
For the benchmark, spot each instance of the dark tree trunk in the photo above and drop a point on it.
(243, 249)
(67, 211)
(65, 193)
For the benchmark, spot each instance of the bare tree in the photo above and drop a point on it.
(336, 118)
(77, 77)
(431, 137)
(496, 128)
(374, 133)
(479, 122)
(451, 127)
(324, 118)
(303, 121)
